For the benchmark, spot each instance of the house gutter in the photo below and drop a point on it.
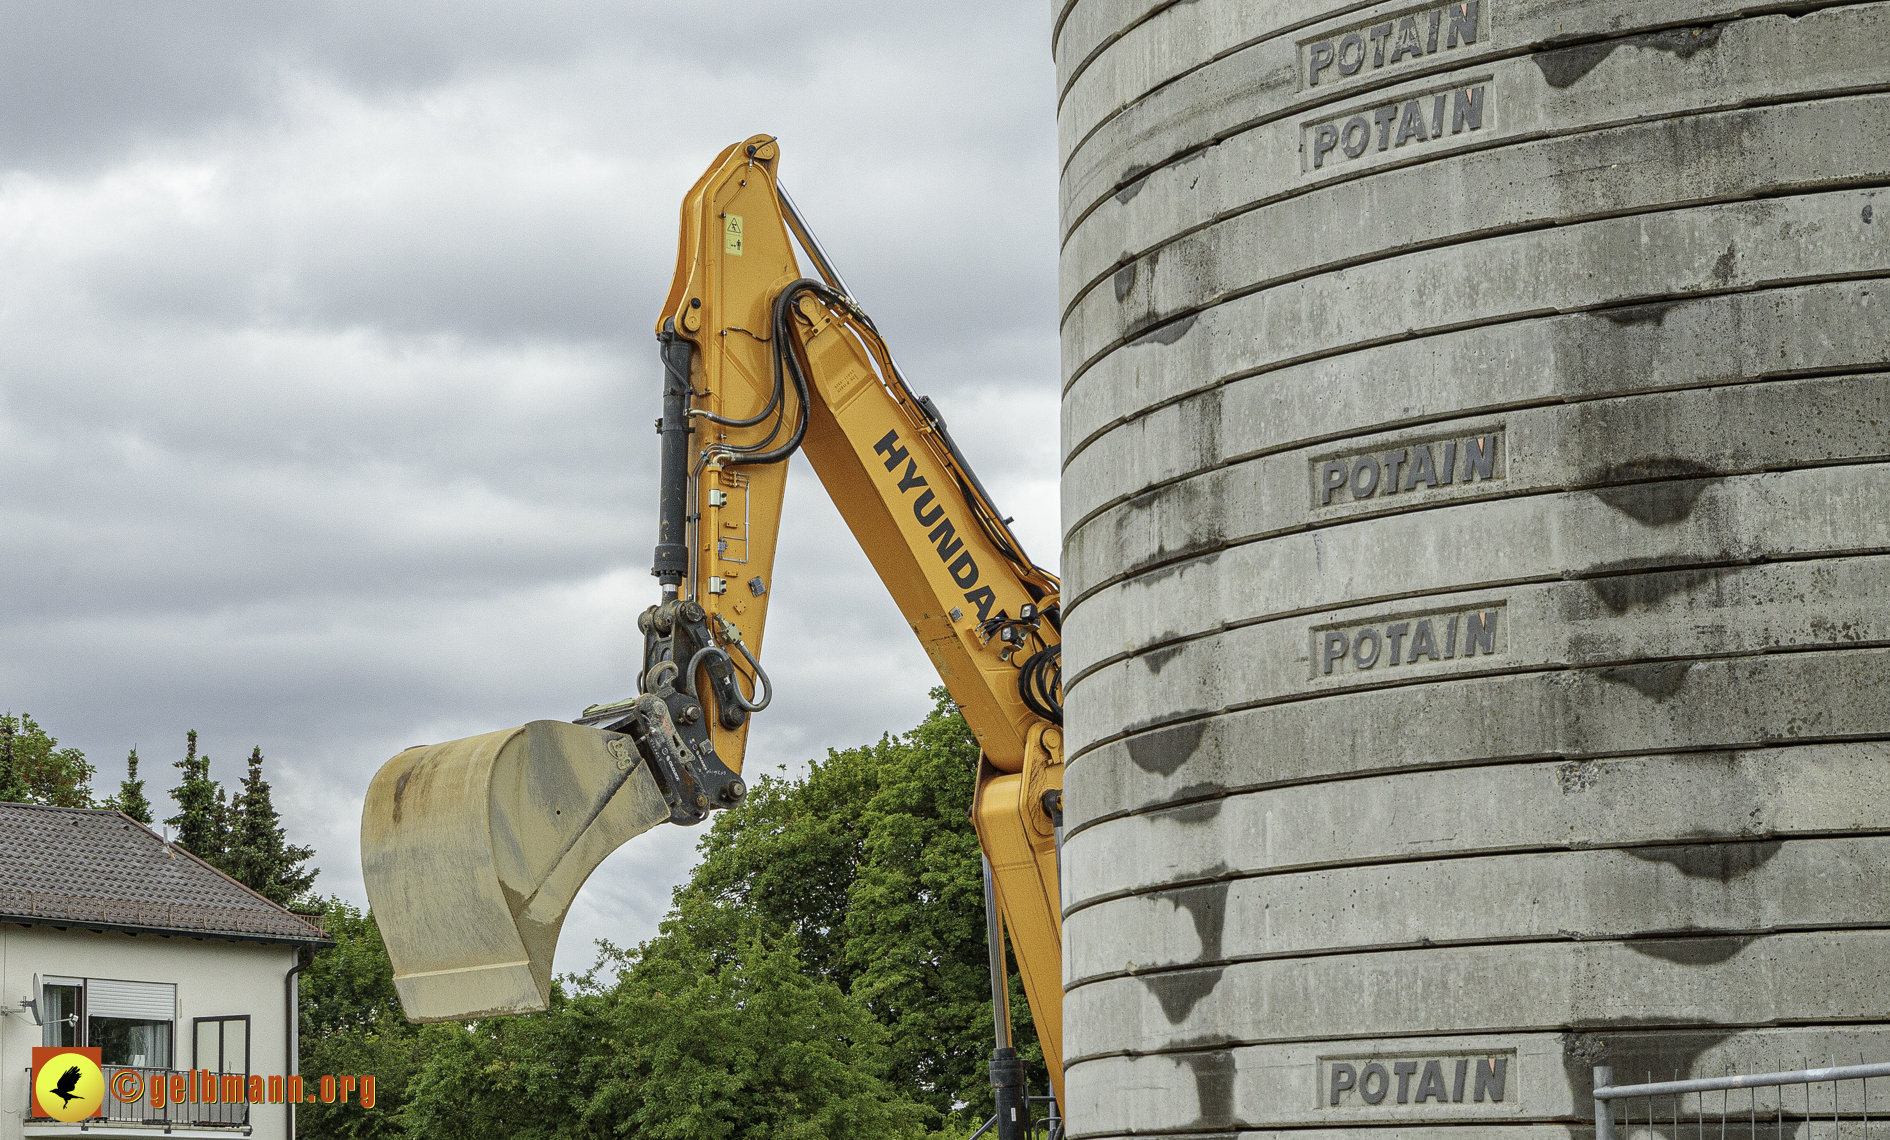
(304, 958)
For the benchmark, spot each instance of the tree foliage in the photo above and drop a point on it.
(351, 1023)
(258, 852)
(822, 973)
(130, 798)
(35, 770)
(244, 837)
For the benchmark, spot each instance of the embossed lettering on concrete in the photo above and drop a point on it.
(1409, 468)
(1411, 639)
(1391, 41)
(1417, 1081)
(1412, 120)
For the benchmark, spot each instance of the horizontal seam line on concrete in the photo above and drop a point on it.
(1305, 611)
(1143, 413)
(1405, 682)
(1388, 426)
(1102, 46)
(1193, 882)
(1465, 943)
(1140, 333)
(1439, 502)
(1412, 336)
(1578, 1027)
(1461, 678)
(1255, 41)
(1056, 28)
(1508, 761)
(1148, 410)
(1466, 63)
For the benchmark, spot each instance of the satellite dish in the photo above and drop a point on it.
(30, 1003)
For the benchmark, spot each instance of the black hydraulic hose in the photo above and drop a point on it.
(1040, 683)
(784, 357)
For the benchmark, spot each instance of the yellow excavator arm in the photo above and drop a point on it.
(759, 361)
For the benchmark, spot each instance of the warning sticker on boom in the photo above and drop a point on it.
(732, 234)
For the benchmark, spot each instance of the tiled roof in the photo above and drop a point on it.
(79, 867)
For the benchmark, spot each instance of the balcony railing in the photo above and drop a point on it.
(174, 1114)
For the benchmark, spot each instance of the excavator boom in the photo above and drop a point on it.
(759, 361)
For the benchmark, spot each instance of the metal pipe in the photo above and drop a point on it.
(805, 234)
(1747, 1081)
(1604, 1112)
(810, 243)
(304, 958)
(672, 497)
(1007, 1070)
(994, 942)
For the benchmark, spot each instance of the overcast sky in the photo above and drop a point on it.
(326, 372)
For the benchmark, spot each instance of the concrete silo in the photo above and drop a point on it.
(1477, 566)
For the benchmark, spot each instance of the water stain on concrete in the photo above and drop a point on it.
(1201, 427)
(1634, 1056)
(1124, 280)
(1623, 589)
(1156, 659)
(1723, 862)
(1165, 750)
(1179, 992)
(1663, 503)
(1203, 811)
(1565, 67)
(1213, 1086)
(1692, 951)
(1168, 333)
(1657, 682)
(1137, 177)
(1207, 906)
(1655, 314)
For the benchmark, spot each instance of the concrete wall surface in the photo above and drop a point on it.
(1476, 434)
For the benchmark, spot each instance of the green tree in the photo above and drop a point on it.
(915, 922)
(756, 1047)
(351, 1023)
(130, 798)
(870, 861)
(197, 820)
(12, 784)
(35, 770)
(822, 973)
(258, 851)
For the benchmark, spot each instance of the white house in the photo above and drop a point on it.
(114, 939)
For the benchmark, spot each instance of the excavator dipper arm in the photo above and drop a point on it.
(759, 361)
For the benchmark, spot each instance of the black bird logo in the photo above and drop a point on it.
(68, 1081)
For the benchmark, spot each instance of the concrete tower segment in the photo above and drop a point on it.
(1476, 429)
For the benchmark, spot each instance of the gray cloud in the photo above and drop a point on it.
(327, 373)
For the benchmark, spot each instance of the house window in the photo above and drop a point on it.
(222, 1044)
(129, 1022)
(60, 1004)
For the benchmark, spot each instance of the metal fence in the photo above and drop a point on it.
(1804, 1104)
(172, 1115)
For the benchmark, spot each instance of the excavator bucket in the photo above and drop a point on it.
(474, 849)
